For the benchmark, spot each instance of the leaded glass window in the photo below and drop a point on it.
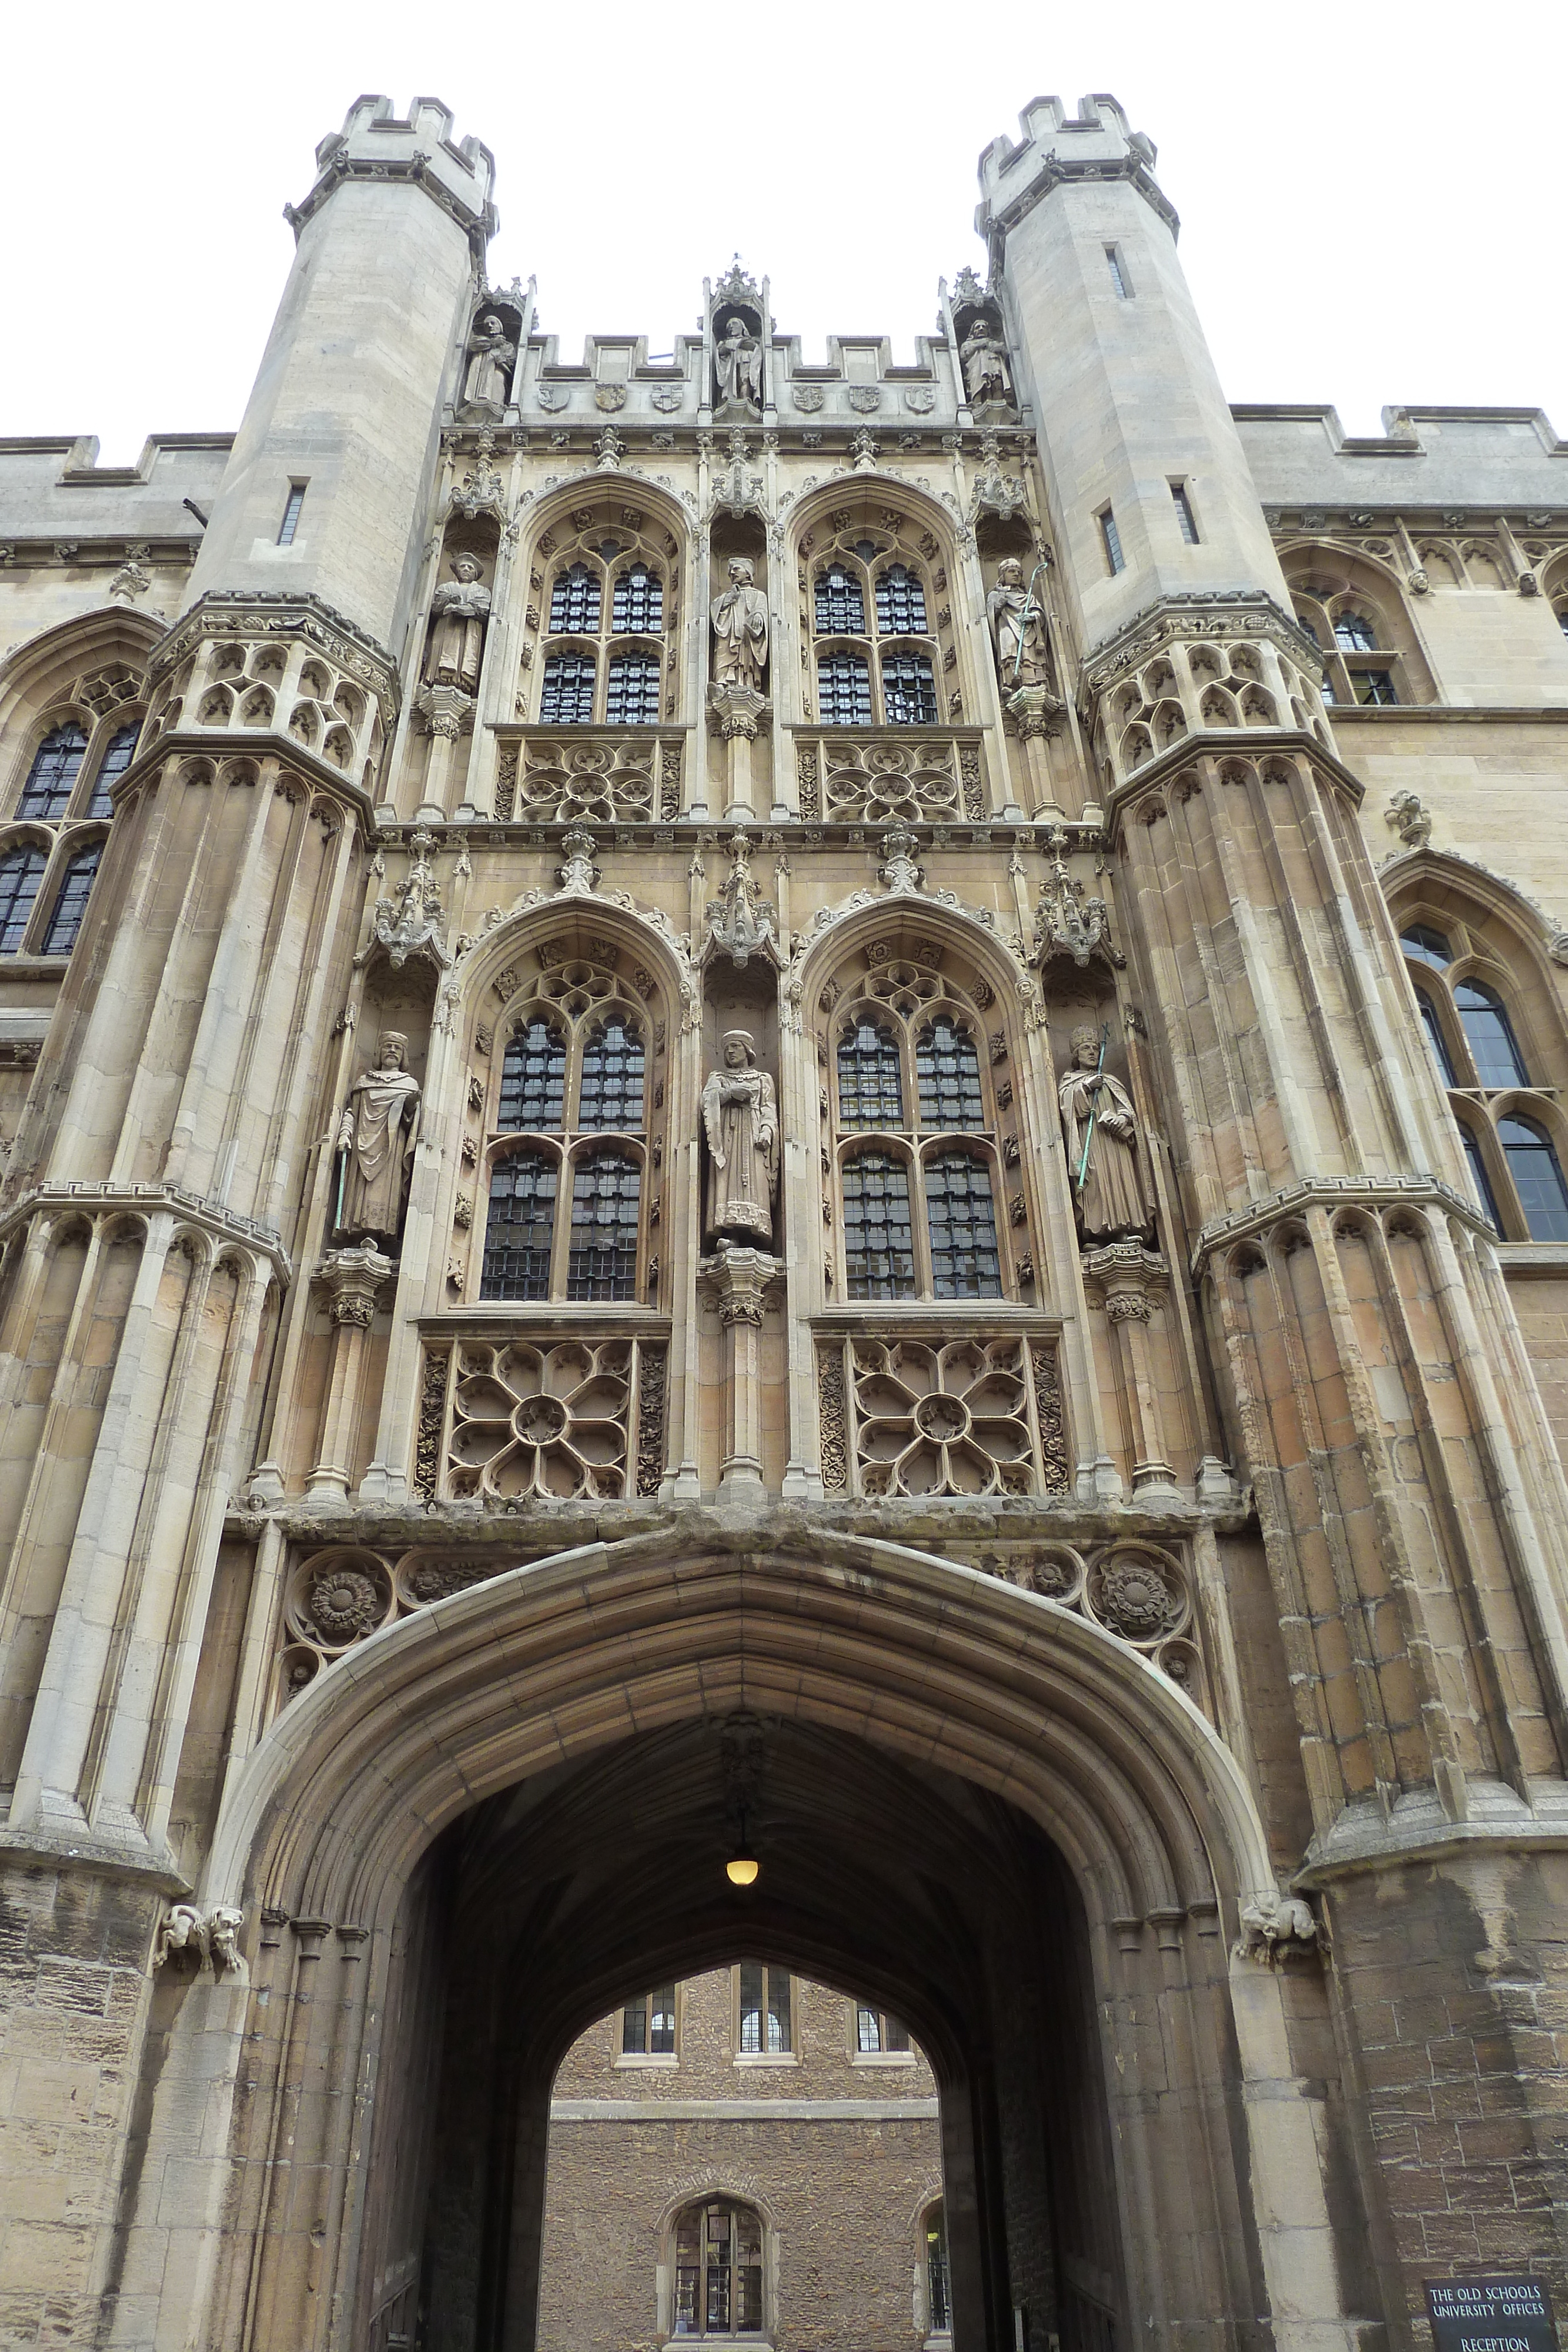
(21, 871)
(1354, 634)
(567, 699)
(1478, 1177)
(574, 603)
(962, 1222)
(1537, 1178)
(719, 2270)
(611, 1094)
(605, 1193)
(840, 603)
(521, 1227)
(871, 1086)
(843, 689)
(648, 2024)
(72, 904)
(878, 2033)
(57, 763)
(938, 2292)
(900, 603)
(1374, 688)
(533, 1077)
(1435, 1039)
(908, 691)
(1421, 940)
(631, 698)
(111, 766)
(947, 1069)
(879, 1245)
(1490, 1035)
(637, 606)
(765, 2021)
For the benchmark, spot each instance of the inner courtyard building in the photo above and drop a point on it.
(783, 1324)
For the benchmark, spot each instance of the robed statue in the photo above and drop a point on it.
(491, 352)
(984, 356)
(1101, 1129)
(739, 628)
(741, 1120)
(738, 360)
(1018, 629)
(458, 613)
(375, 1142)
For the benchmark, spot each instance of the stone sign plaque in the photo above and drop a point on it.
(1490, 2315)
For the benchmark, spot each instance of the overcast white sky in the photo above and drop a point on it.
(1372, 198)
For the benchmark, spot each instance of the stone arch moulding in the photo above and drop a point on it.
(556, 506)
(843, 489)
(1496, 894)
(841, 929)
(61, 651)
(635, 928)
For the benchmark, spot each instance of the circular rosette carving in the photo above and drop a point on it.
(1181, 1660)
(336, 1597)
(1054, 1570)
(545, 1422)
(942, 1421)
(1136, 1593)
(296, 1670)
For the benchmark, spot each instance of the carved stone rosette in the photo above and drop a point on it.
(927, 1418)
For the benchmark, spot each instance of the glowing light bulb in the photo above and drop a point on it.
(741, 1869)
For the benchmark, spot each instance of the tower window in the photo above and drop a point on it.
(948, 1070)
(900, 603)
(909, 690)
(965, 1263)
(879, 1245)
(1489, 1033)
(839, 605)
(637, 608)
(871, 1092)
(1537, 1178)
(632, 699)
(1186, 523)
(1111, 538)
(1118, 275)
(611, 1095)
(1373, 688)
(843, 689)
(1354, 634)
(533, 1077)
(1479, 1176)
(290, 523)
(574, 602)
(567, 699)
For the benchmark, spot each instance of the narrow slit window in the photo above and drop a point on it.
(1186, 523)
(519, 1228)
(1435, 1039)
(1118, 275)
(1112, 541)
(1478, 1177)
(879, 1244)
(290, 523)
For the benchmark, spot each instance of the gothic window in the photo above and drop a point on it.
(1112, 539)
(648, 2024)
(52, 777)
(908, 691)
(1421, 940)
(605, 1200)
(521, 1227)
(570, 1075)
(1537, 1177)
(533, 1077)
(574, 603)
(71, 903)
(1476, 1162)
(763, 2026)
(717, 2271)
(1369, 654)
(900, 603)
(920, 1202)
(1354, 634)
(841, 605)
(638, 605)
(21, 871)
(567, 699)
(632, 699)
(871, 1084)
(1490, 1035)
(939, 2288)
(843, 689)
(1375, 688)
(878, 2034)
(120, 753)
(1434, 1037)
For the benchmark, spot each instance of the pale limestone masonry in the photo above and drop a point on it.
(1134, 1652)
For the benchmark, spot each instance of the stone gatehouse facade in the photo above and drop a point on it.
(784, 1188)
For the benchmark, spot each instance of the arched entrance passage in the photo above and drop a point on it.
(977, 1805)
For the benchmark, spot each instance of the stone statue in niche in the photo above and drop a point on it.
(459, 611)
(375, 1143)
(740, 629)
(738, 361)
(1101, 1129)
(984, 356)
(1018, 629)
(491, 352)
(741, 1120)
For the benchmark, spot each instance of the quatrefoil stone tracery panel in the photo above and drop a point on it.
(548, 1421)
(596, 783)
(887, 783)
(943, 1420)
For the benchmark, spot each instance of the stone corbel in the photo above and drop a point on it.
(1132, 1281)
(739, 1280)
(350, 1281)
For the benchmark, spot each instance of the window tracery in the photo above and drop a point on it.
(1356, 617)
(877, 656)
(609, 651)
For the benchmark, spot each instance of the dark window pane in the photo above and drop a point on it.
(1434, 1037)
(1327, 690)
(116, 759)
(1184, 520)
(844, 690)
(605, 1193)
(1308, 629)
(662, 2022)
(632, 694)
(938, 2294)
(533, 1077)
(1479, 1176)
(1354, 634)
(779, 2025)
(72, 904)
(1537, 1178)
(574, 603)
(567, 699)
(1374, 688)
(751, 1975)
(879, 1246)
(900, 603)
(635, 2027)
(1420, 940)
(611, 1090)
(1117, 279)
(290, 523)
(21, 871)
(57, 763)
(871, 1088)
(520, 1227)
(1112, 539)
(963, 1225)
(840, 606)
(637, 607)
(765, 2024)
(948, 1071)
(908, 691)
(1490, 1035)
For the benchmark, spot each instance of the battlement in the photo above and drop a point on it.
(1094, 144)
(377, 144)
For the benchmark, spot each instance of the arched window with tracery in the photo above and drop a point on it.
(878, 657)
(119, 753)
(51, 779)
(1355, 616)
(70, 900)
(21, 871)
(1537, 1176)
(1488, 1034)
(871, 1075)
(566, 1117)
(717, 2270)
(607, 657)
